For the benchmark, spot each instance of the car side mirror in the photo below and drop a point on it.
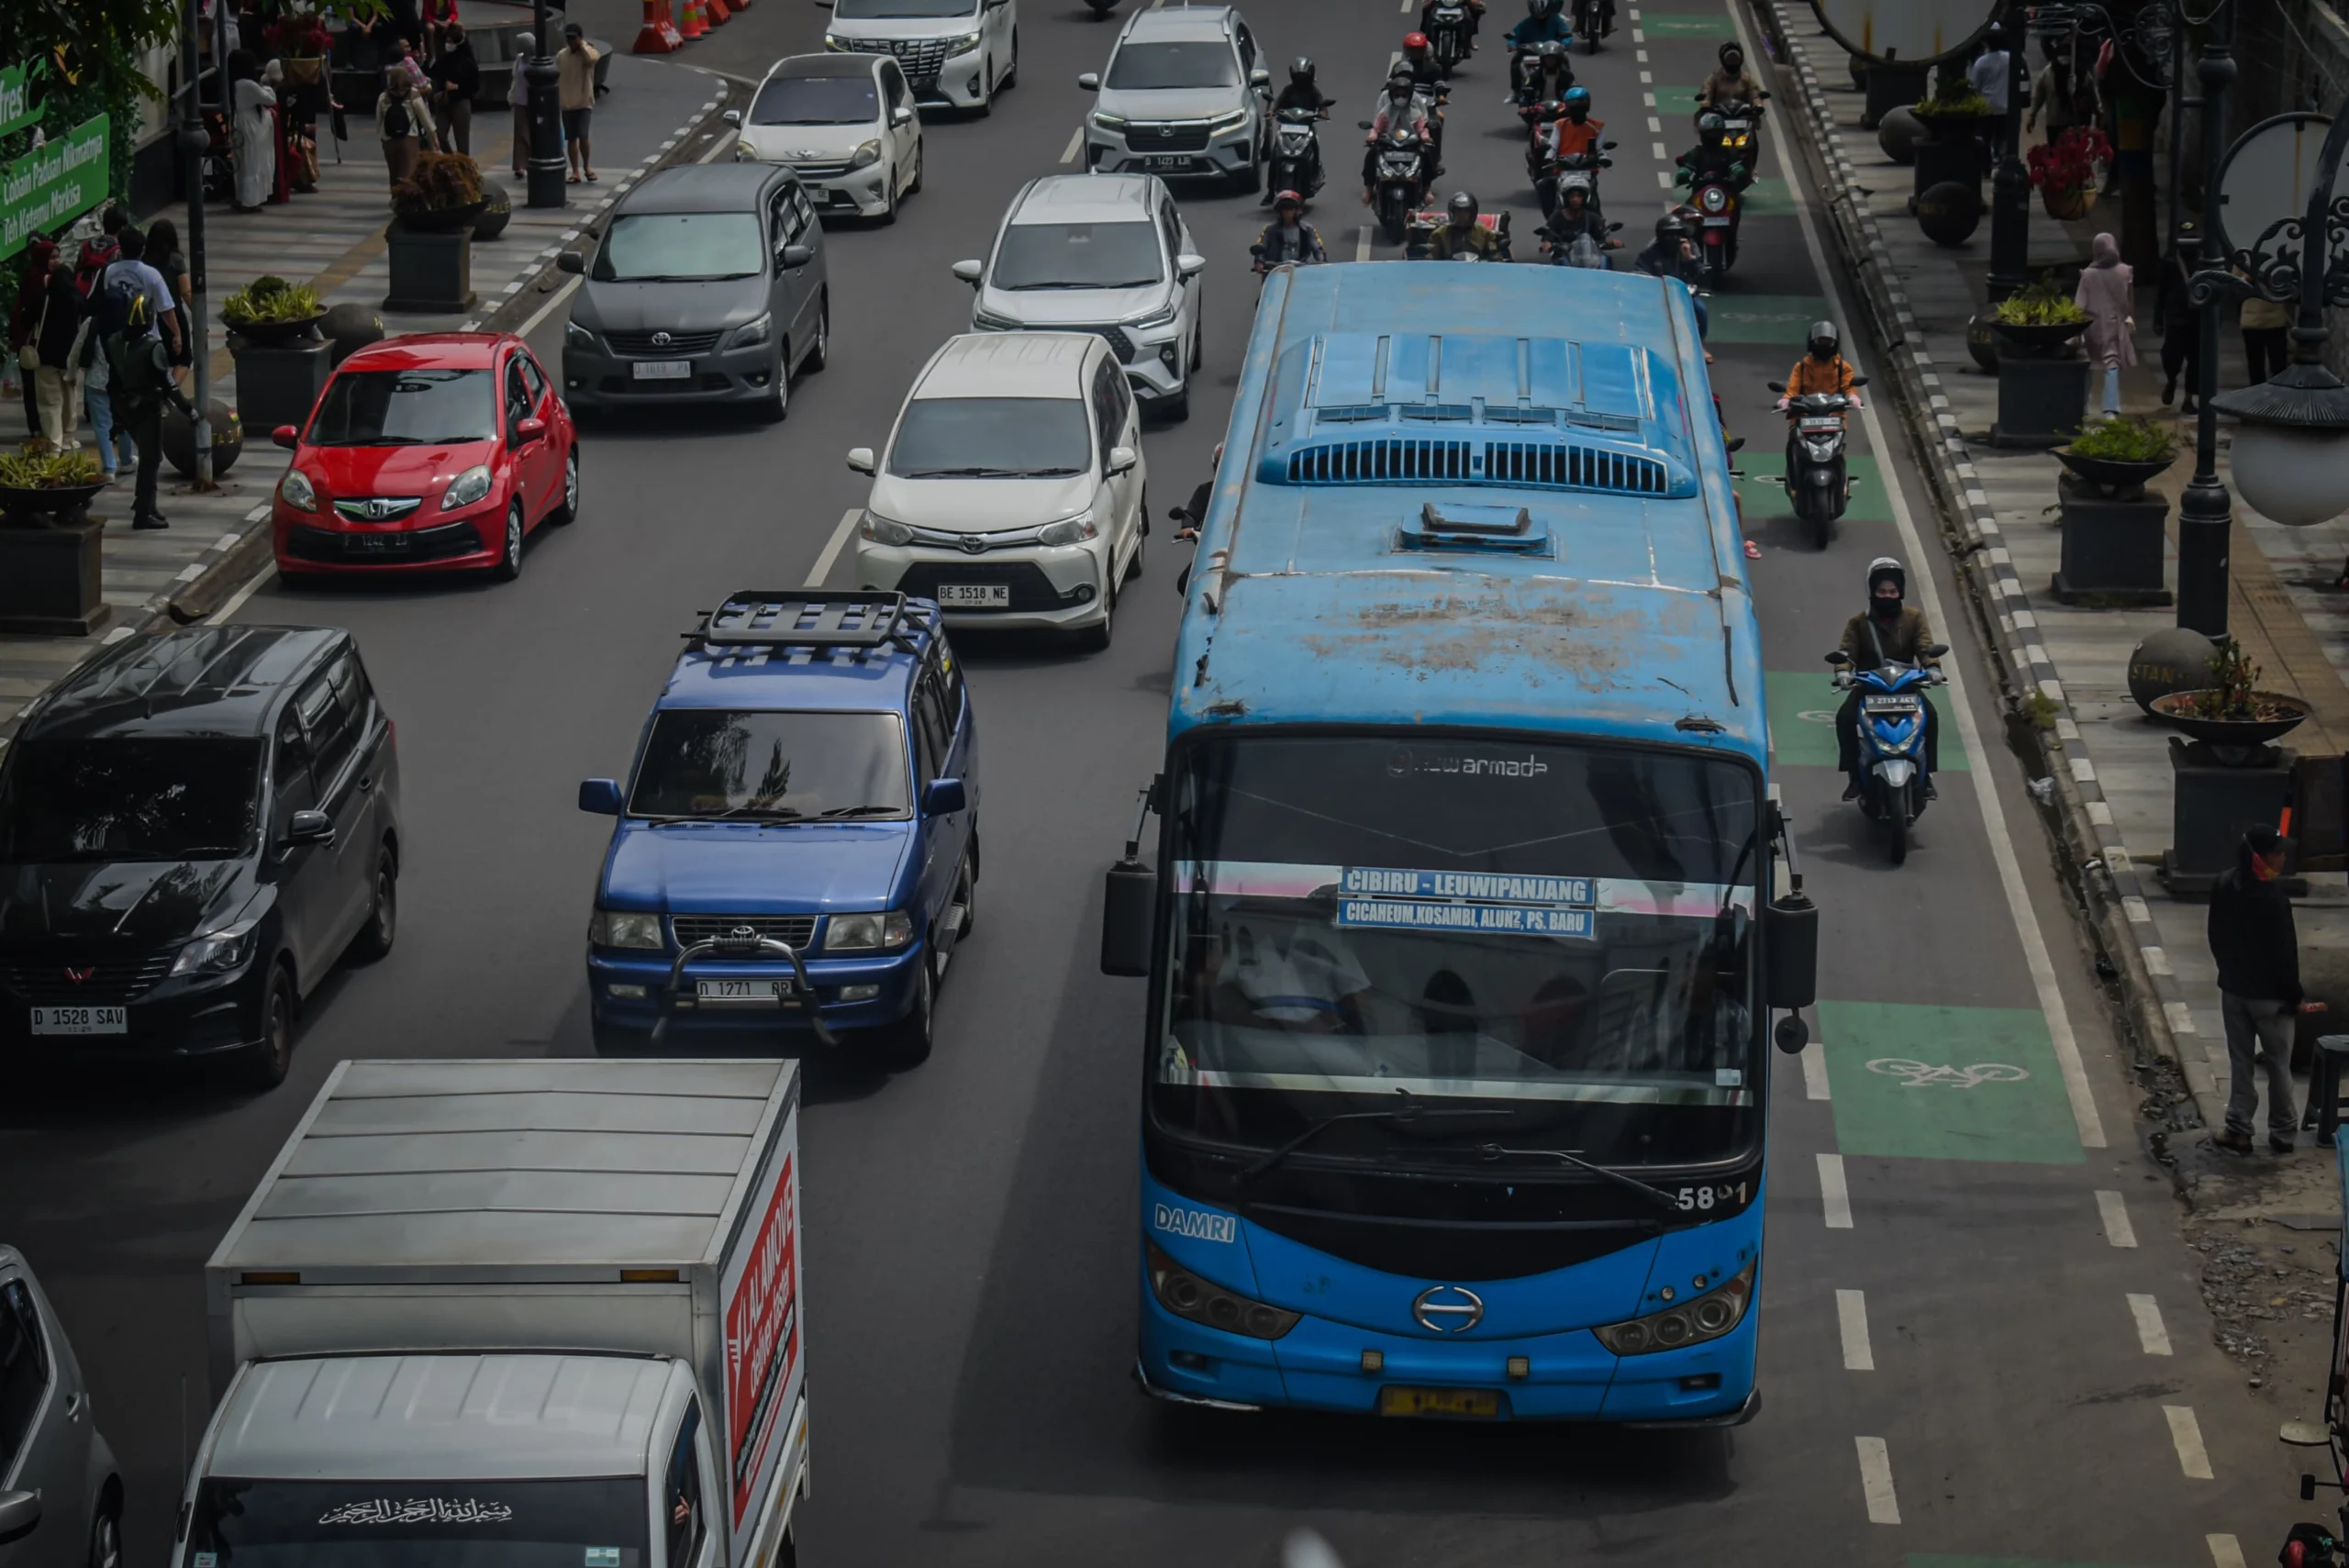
(901, 115)
(794, 257)
(1189, 266)
(1838, 658)
(1775, 385)
(1790, 951)
(1122, 460)
(1129, 911)
(861, 459)
(1859, 380)
(309, 828)
(943, 797)
(571, 262)
(1260, 77)
(732, 116)
(601, 796)
(528, 431)
(285, 436)
(19, 1512)
(969, 272)
(1090, 81)
(1934, 649)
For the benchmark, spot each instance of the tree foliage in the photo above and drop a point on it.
(83, 58)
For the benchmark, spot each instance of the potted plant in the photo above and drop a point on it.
(2042, 377)
(2114, 531)
(429, 242)
(2230, 774)
(2039, 320)
(443, 194)
(2231, 715)
(2065, 171)
(48, 542)
(271, 310)
(2120, 456)
(283, 362)
(1950, 151)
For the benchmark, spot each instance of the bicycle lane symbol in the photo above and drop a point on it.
(1923, 1075)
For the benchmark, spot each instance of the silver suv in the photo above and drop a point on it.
(1184, 93)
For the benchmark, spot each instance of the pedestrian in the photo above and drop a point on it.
(140, 381)
(397, 123)
(2063, 93)
(2266, 324)
(2108, 292)
(253, 134)
(281, 131)
(518, 96)
(2181, 322)
(576, 65)
(458, 74)
(24, 317)
(161, 251)
(2258, 954)
(1990, 75)
(441, 29)
(57, 350)
(407, 61)
(132, 270)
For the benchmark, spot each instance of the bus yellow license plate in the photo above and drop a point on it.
(1471, 1403)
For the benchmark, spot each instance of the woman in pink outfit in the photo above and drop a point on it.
(2107, 292)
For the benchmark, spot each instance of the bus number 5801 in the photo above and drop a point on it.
(1701, 1198)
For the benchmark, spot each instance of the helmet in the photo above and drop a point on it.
(1400, 86)
(1732, 48)
(1710, 126)
(1551, 52)
(1884, 567)
(1577, 101)
(1824, 338)
(1537, 9)
(1415, 43)
(1575, 192)
(1669, 227)
(1300, 71)
(1288, 198)
(1462, 208)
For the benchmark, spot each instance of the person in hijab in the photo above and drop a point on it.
(399, 123)
(252, 132)
(2107, 292)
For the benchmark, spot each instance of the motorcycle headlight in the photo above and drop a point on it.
(1187, 1296)
(885, 531)
(1068, 530)
(963, 45)
(466, 488)
(1232, 120)
(295, 492)
(750, 333)
(1108, 122)
(868, 933)
(578, 336)
(1691, 1322)
(1714, 198)
(865, 155)
(223, 952)
(625, 929)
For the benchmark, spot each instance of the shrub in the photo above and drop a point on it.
(2041, 304)
(35, 466)
(443, 182)
(2132, 439)
(269, 298)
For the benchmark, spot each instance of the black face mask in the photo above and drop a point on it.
(1884, 609)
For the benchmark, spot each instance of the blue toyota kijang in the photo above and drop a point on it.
(797, 850)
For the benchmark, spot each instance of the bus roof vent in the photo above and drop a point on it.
(1380, 459)
(1509, 530)
(1570, 466)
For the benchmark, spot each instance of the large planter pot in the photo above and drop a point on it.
(2112, 548)
(2067, 206)
(279, 383)
(440, 220)
(2216, 792)
(496, 211)
(2041, 402)
(2234, 738)
(47, 507)
(1948, 156)
(2119, 479)
(1892, 86)
(432, 272)
(49, 579)
(273, 332)
(179, 440)
(2036, 343)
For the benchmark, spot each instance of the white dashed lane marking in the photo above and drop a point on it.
(2115, 1214)
(1876, 1482)
(1852, 1315)
(2185, 1433)
(1834, 1197)
(2151, 1334)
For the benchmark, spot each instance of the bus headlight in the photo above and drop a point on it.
(1690, 1322)
(1188, 1296)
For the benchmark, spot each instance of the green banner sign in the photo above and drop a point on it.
(18, 109)
(51, 186)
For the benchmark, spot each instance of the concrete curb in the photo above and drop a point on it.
(2082, 819)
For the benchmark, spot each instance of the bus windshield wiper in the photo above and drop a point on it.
(1408, 1113)
(1654, 1194)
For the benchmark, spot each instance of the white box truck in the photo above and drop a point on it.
(544, 1314)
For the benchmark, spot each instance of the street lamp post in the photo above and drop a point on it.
(193, 145)
(539, 78)
(2205, 516)
(2010, 183)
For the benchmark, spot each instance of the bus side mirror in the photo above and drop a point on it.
(1128, 905)
(1790, 946)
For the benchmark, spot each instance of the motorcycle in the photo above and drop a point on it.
(1296, 152)
(1740, 131)
(1553, 177)
(1583, 250)
(1586, 24)
(1717, 208)
(1400, 167)
(1892, 740)
(1448, 37)
(1423, 225)
(1817, 480)
(1528, 84)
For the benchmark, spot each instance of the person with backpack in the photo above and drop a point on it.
(56, 353)
(130, 275)
(23, 315)
(139, 373)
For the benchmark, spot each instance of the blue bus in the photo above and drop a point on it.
(1472, 901)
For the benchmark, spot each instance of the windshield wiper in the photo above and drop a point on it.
(1654, 1194)
(1408, 1113)
(974, 473)
(676, 277)
(861, 811)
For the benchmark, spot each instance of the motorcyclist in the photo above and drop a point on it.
(1887, 632)
(1289, 238)
(1399, 109)
(1671, 255)
(1460, 233)
(1822, 369)
(1576, 219)
(1730, 83)
(1301, 92)
(1545, 22)
(1419, 60)
(1427, 16)
(1575, 131)
(1544, 74)
(1709, 159)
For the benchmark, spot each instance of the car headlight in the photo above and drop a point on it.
(840, 46)
(866, 156)
(742, 154)
(1068, 530)
(750, 333)
(1108, 122)
(868, 933)
(963, 45)
(1187, 1296)
(466, 488)
(295, 492)
(1224, 122)
(1691, 1322)
(223, 952)
(988, 321)
(576, 336)
(625, 929)
(885, 531)
(1162, 316)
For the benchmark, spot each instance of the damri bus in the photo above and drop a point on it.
(1472, 901)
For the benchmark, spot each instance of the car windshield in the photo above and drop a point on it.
(1139, 67)
(406, 408)
(1560, 931)
(130, 799)
(1077, 256)
(992, 438)
(884, 10)
(680, 247)
(772, 765)
(418, 1524)
(817, 100)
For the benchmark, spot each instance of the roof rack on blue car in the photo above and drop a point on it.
(814, 619)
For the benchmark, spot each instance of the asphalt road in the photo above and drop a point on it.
(1949, 1334)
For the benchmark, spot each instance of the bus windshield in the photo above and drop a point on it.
(1562, 933)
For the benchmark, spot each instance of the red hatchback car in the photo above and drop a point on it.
(433, 453)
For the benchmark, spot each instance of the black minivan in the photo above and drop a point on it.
(194, 827)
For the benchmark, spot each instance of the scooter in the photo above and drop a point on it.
(1719, 209)
(1817, 481)
(1741, 130)
(1581, 251)
(1587, 22)
(1400, 170)
(1448, 37)
(1892, 740)
(1553, 177)
(1296, 154)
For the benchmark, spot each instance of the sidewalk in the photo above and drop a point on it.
(333, 240)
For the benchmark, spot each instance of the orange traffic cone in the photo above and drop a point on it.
(658, 35)
(693, 26)
(715, 13)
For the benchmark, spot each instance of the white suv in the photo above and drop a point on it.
(953, 51)
(1012, 489)
(1102, 254)
(845, 124)
(1185, 93)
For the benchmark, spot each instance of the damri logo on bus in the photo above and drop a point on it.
(1195, 1223)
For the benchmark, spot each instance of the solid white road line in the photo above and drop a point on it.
(1076, 145)
(2150, 1332)
(555, 302)
(2226, 1551)
(1834, 1197)
(1876, 1482)
(2186, 1433)
(1814, 1071)
(1852, 1315)
(1361, 244)
(840, 536)
(2115, 1213)
(236, 600)
(1994, 823)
